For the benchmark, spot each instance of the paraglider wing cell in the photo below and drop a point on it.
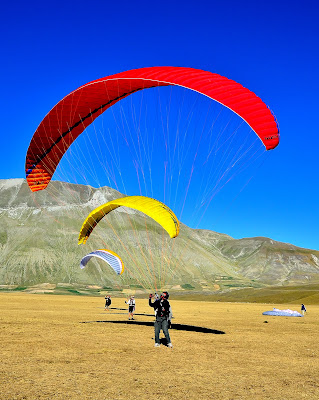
(151, 207)
(70, 117)
(283, 313)
(108, 256)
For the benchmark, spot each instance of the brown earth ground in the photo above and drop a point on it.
(47, 352)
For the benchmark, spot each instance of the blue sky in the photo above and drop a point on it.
(271, 47)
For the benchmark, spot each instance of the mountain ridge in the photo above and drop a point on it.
(38, 244)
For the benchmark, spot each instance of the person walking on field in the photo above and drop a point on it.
(163, 317)
(108, 302)
(303, 309)
(131, 307)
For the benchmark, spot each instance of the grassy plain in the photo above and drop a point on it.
(47, 352)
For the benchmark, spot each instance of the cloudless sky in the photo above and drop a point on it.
(50, 48)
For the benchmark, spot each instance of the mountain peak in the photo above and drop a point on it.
(39, 233)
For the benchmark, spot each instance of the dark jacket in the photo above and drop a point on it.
(108, 301)
(161, 307)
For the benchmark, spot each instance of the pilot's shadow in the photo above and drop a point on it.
(178, 327)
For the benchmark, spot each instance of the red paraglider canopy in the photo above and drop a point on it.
(69, 118)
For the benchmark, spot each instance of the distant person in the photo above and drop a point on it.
(131, 307)
(108, 302)
(303, 309)
(163, 315)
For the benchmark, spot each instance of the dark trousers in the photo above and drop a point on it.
(161, 323)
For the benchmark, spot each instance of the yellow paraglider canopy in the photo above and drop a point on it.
(151, 207)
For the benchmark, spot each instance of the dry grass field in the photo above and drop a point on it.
(47, 352)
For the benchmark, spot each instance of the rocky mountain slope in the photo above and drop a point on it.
(38, 244)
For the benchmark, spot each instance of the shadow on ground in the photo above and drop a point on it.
(125, 313)
(178, 327)
(125, 309)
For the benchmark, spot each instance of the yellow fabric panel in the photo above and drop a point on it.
(151, 207)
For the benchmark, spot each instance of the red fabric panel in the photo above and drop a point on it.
(68, 119)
